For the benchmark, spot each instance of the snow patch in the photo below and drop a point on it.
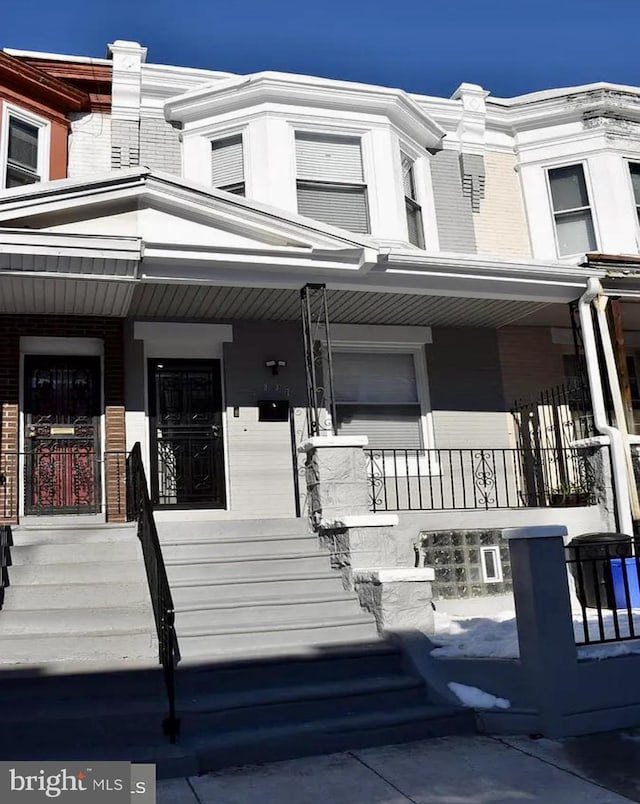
(476, 698)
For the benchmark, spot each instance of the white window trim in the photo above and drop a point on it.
(424, 463)
(366, 154)
(44, 140)
(628, 161)
(497, 561)
(228, 133)
(417, 172)
(587, 182)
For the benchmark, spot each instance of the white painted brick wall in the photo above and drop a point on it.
(89, 144)
(501, 225)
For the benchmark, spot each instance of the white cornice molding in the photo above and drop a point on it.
(270, 87)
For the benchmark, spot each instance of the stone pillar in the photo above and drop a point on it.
(360, 542)
(548, 653)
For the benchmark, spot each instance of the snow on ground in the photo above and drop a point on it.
(495, 635)
(476, 698)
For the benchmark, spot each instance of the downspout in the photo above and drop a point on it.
(616, 441)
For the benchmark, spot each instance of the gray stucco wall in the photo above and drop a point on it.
(454, 212)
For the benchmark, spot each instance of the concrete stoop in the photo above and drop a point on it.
(76, 594)
(279, 660)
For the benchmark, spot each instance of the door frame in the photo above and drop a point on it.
(152, 441)
(59, 346)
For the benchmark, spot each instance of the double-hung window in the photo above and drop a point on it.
(413, 209)
(330, 180)
(571, 210)
(634, 169)
(227, 164)
(23, 152)
(377, 395)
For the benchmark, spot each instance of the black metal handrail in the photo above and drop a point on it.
(139, 509)
(477, 479)
(6, 540)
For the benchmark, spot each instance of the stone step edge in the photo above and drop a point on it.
(251, 558)
(176, 541)
(229, 581)
(301, 625)
(244, 603)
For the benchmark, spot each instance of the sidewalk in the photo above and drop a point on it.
(451, 770)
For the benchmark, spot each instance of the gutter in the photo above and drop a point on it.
(616, 439)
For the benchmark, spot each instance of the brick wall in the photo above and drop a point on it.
(89, 145)
(500, 223)
(454, 214)
(125, 144)
(110, 330)
(160, 147)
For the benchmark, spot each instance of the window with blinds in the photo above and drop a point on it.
(330, 181)
(412, 208)
(227, 164)
(571, 210)
(22, 153)
(377, 396)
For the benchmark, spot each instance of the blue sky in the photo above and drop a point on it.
(508, 46)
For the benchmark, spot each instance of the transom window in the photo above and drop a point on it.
(571, 210)
(330, 181)
(22, 153)
(377, 396)
(413, 209)
(227, 164)
(634, 169)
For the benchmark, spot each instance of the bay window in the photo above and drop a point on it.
(227, 164)
(575, 233)
(414, 211)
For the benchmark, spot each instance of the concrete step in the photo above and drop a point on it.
(75, 595)
(54, 647)
(230, 528)
(210, 548)
(187, 593)
(329, 734)
(79, 621)
(70, 553)
(261, 640)
(267, 611)
(76, 573)
(70, 534)
(240, 568)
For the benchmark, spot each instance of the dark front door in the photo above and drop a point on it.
(185, 413)
(62, 434)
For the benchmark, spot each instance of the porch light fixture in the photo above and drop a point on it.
(275, 365)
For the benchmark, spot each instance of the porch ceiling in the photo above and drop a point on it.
(27, 295)
(348, 307)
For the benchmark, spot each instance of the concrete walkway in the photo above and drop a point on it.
(450, 770)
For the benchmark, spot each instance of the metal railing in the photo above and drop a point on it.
(6, 540)
(605, 579)
(477, 479)
(63, 480)
(139, 509)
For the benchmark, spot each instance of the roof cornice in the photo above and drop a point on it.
(38, 85)
(270, 87)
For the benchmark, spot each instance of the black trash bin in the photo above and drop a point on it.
(589, 558)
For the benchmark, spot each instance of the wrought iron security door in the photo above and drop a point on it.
(62, 434)
(187, 456)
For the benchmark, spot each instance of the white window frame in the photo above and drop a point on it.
(44, 140)
(495, 551)
(587, 183)
(424, 463)
(227, 135)
(635, 203)
(406, 152)
(331, 130)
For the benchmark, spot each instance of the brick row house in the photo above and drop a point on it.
(219, 267)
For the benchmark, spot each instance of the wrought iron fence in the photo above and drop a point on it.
(605, 580)
(6, 541)
(139, 509)
(480, 479)
(63, 480)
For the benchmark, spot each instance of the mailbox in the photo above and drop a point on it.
(273, 410)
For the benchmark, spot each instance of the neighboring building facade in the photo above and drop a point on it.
(154, 290)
